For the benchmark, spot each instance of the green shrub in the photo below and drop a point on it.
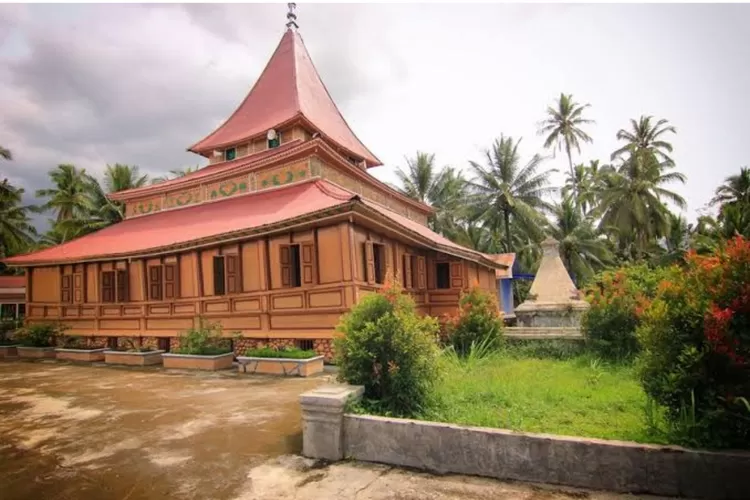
(287, 352)
(205, 339)
(617, 299)
(38, 335)
(696, 348)
(7, 329)
(478, 322)
(389, 349)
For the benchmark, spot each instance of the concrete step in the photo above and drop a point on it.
(526, 332)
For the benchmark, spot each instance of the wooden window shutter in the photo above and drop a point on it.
(154, 282)
(308, 263)
(456, 275)
(369, 262)
(407, 271)
(66, 289)
(108, 286)
(231, 270)
(286, 266)
(122, 286)
(78, 288)
(421, 275)
(170, 281)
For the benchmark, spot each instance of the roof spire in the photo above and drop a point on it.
(291, 16)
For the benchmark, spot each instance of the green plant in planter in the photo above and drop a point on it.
(39, 335)
(287, 352)
(73, 342)
(205, 339)
(7, 328)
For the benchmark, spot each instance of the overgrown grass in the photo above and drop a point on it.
(577, 396)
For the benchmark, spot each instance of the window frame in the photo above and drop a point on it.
(447, 267)
(227, 154)
(163, 284)
(274, 143)
(231, 274)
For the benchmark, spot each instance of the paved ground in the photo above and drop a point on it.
(95, 432)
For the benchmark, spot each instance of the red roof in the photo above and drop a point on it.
(12, 281)
(288, 88)
(194, 224)
(506, 259)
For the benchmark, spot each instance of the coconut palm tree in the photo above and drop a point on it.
(632, 205)
(562, 127)
(504, 190)
(5, 153)
(16, 230)
(735, 190)
(582, 249)
(175, 174)
(586, 185)
(69, 198)
(645, 137)
(104, 212)
(443, 189)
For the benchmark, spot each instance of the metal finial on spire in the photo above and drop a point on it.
(291, 16)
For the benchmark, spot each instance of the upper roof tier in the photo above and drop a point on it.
(288, 89)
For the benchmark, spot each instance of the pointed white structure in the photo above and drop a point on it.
(553, 300)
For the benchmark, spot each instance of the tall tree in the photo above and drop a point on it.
(562, 127)
(586, 184)
(102, 211)
(632, 203)
(443, 189)
(582, 249)
(505, 191)
(735, 190)
(645, 137)
(16, 230)
(69, 198)
(175, 174)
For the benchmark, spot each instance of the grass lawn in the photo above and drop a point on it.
(574, 397)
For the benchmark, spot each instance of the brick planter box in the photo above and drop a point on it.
(281, 366)
(198, 361)
(133, 358)
(36, 352)
(87, 355)
(8, 351)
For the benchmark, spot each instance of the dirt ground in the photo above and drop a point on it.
(96, 432)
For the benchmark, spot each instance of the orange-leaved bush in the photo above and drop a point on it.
(696, 347)
(478, 321)
(618, 299)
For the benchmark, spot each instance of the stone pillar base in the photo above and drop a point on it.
(322, 420)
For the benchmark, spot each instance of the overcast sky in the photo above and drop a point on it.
(138, 84)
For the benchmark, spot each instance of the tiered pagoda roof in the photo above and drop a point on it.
(288, 89)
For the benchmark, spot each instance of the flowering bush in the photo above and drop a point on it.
(618, 300)
(478, 322)
(696, 346)
(392, 351)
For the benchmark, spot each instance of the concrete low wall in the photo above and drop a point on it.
(587, 463)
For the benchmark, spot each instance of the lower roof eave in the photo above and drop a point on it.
(348, 210)
(332, 214)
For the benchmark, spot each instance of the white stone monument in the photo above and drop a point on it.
(553, 300)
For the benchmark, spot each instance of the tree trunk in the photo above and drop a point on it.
(573, 178)
(506, 213)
